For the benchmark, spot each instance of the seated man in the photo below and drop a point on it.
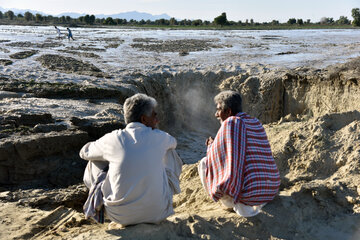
(143, 168)
(239, 169)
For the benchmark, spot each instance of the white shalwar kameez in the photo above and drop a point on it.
(143, 173)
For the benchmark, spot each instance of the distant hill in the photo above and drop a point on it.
(126, 15)
(22, 11)
(135, 15)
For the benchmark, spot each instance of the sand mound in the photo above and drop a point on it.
(187, 45)
(46, 44)
(24, 54)
(5, 62)
(69, 65)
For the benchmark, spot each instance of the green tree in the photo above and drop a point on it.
(355, 13)
(50, 18)
(92, 19)
(343, 20)
(162, 21)
(197, 22)
(300, 21)
(109, 21)
(38, 17)
(221, 20)
(28, 16)
(1, 15)
(275, 22)
(87, 19)
(291, 21)
(173, 21)
(10, 15)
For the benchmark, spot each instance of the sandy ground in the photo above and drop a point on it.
(311, 116)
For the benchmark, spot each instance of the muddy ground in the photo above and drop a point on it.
(311, 116)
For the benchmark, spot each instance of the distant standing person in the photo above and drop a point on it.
(69, 34)
(58, 32)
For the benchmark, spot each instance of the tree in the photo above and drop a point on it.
(38, 17)
(162, 21)
(355, 13)
(291, 21)
(221, 20)
(10, 15)
(197, 22)
(28, 16)
(1, 15)
(92, 19)
(87, 19)
(109, 21)
(275, 22)
(300, 21)
(173, 21)
(343, 20)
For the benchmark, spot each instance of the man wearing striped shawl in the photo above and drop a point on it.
(239, 169)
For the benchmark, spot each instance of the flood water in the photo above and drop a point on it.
(279, 48)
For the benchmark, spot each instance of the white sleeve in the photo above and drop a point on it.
(172, 142)
(94, 151)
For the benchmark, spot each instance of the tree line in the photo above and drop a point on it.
(220, 20)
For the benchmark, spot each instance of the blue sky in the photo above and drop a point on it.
(259, 10)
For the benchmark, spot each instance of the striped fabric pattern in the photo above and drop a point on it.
(240, 162)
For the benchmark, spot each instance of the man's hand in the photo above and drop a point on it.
(209, 141)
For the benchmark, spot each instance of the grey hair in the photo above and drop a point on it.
(229, 100)
(138, 105)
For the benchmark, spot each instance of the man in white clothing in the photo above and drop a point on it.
(143, 166)
(58, 32)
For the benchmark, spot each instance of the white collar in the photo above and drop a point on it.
(135, 125)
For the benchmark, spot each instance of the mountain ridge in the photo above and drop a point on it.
(125, 15)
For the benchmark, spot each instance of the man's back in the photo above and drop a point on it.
(261, 176)
(135, 187)
(240, 162)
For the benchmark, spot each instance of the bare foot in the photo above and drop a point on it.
(114, 226)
